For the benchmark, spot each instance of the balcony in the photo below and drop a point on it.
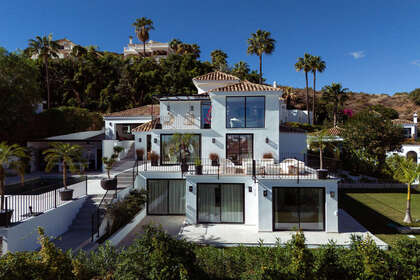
(189, 121)
(289, 168)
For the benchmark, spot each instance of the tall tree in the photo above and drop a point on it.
(304, 64)
(405, 171)
(317, 65)
(336, 95)
(44, 48)
(143, 26)
(219, 60)
(261, 43)
(290, 96)
(240, 69)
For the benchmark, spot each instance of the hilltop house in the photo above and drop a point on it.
(156, 49)
(411, 147)
(224, 155)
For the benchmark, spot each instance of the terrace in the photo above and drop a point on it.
(288, 168)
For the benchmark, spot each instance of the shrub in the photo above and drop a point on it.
(214, 157)
(140, 154)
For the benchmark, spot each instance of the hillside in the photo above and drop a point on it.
(358, 101)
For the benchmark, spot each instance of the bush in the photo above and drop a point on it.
(415, 96)
(122, 212)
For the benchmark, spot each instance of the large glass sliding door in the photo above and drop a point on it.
(298, 208)
(239, 147)
(166, 197)
(220, 203)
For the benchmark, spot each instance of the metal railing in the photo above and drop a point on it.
(290, 166)
(27, 204)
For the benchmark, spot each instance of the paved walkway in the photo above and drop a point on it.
(170, 224)
(226, 235)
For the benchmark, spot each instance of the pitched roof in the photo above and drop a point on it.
(401, 121)
(216, 76)
(245, 86)
(142, 111)
(148, 126)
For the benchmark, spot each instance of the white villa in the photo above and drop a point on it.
(156, 49)
(260, 178)
(410, 148)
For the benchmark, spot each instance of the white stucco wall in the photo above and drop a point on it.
(24, 236)
(108, 147)
(111, 124)
(292, 144)
(265, 210)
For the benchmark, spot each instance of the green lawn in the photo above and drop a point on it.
(378, 210)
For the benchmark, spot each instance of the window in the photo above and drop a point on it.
(166, 197)
(173, 149)
(407, 132)
(205, 115)
(245, 112)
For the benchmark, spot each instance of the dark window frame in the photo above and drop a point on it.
(239, 134)
(299, 204)
(167, 187)
(161, 147)
(245, 123)
(220, 214)
(201, 112)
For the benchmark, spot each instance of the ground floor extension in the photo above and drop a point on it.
(266, 204)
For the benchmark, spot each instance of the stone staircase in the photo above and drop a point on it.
(79, 234)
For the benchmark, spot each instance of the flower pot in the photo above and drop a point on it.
(154, 162)
(214, 163)
(66, 195)
(206, 126)
(109, 184)
(198, 170)
(5, 217)
(158, 126)
(322, 173)
(184, 167)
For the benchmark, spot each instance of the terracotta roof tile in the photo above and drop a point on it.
(216, 76)
(137, 112)
(146, 126)
(245, 86)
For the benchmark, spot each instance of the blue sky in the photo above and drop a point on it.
(368, 45)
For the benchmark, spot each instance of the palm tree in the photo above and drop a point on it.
(304, 64)
(143, 26)
(44, 48)
(241, 69)
(218, 60)
(337, 95)
(261, 43)
(78, 51)
(9, 154)
(21, 165)
(317, 65)
(289, 94)
(65, 154)
(175, 45)
(405, 171)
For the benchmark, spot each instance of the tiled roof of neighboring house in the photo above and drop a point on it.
(216, 76)
(146, 126)
(335, 131)
(245, 86)
(401, 121)
(137, 112)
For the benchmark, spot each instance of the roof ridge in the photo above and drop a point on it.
(245, 85)
(215, 75)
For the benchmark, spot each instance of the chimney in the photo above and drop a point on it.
(130, 40)
(274, 84)
(415, 117)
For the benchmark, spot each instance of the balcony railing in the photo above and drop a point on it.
(287, 168)
(189, 121)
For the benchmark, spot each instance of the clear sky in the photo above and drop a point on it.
(368, 45)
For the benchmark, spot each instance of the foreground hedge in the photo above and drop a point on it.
(158, 256)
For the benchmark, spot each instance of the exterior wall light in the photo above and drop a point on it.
(192, 108)
(267, 140)
(265, 192)
(250, 188)
(169, 108)
(190, 188)
(213, 140)
(140, 140)
(155, 140)
(332, 194)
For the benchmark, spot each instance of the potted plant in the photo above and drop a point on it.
(319, 143)
(66, 155)
(9, 154)
(267, 156)
(198, 167)
(110, 184)
(184, 165)
(154, 158)
(140, 154)
(214, 159)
